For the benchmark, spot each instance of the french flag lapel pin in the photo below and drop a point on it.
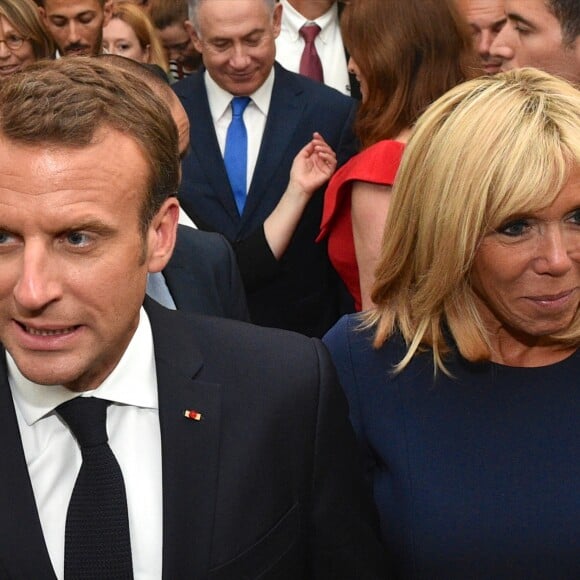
(192, 414)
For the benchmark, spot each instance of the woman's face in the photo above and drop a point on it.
(12, 56)
(355, 70)
(119, 38)
(527, 273)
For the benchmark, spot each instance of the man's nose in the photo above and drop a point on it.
(502, 45)
(37, 284)
(73, 32)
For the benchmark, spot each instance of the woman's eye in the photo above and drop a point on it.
(575, 217)
(514, 228)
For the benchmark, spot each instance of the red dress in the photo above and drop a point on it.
(377, 164)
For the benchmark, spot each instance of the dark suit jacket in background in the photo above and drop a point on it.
(203, 276)
(267, 485)
(304, 293)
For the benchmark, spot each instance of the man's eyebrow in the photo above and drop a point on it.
(247, 35)
(74, 16)
(514, 16)
(94, 224)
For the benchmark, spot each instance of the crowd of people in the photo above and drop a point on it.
(289, 289)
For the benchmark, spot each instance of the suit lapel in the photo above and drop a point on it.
(190, 448)
(23, 551)
(205, 146)
(284, 116)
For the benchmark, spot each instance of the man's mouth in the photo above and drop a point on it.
(77, 49)
(47, 331)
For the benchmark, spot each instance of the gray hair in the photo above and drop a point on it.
(193, 9)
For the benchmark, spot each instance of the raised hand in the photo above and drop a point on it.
(312, 167)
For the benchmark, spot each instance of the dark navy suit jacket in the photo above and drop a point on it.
(267, 485)
(304, 293)
(203, 276)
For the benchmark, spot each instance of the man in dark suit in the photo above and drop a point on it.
(221, 450)
(237, 42)
(202, 276)
(329, 44)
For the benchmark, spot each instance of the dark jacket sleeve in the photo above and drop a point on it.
(256, 261)
(345, 528)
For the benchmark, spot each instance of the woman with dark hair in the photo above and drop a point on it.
(23, 39)
(405, 53)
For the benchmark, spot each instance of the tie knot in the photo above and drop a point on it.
(309, 32)
(86, 417)
(239, 105)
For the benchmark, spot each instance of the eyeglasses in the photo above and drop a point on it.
(13, 42)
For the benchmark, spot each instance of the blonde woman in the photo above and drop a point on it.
(463, 382)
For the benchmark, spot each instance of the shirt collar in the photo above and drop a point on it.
(219, 99)
(292, 21)
(132, 382)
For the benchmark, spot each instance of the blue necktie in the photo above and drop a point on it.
(236, 151)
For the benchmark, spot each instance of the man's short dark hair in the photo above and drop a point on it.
(164, 14)
(568, 14)
(42, 2)
(63, 103)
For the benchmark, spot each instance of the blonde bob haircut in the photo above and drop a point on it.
(488, 150)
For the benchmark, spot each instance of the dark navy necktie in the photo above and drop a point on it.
(97, 541)
(236, 152)
(310, 65)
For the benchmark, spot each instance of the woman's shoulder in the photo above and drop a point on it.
(350, 342)
(377, 164)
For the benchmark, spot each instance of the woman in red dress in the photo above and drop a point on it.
(405, 54)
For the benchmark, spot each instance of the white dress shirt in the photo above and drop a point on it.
(54, 458)
(254, 116)
(329, 45)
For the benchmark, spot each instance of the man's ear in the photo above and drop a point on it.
(42, 13)
(190, 28)
(107, 12)
(161, 235)
(277, 20)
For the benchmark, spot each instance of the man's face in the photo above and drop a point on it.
(532, 36)
(178, 45)
(76, 25)
(486, 18)
(73, 255)
(237, 42)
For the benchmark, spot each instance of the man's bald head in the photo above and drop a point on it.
(157, 81)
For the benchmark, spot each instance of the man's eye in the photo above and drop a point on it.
(498, 26)
(5, 237)
(77, 238)
(521, 29)
(220, 46)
